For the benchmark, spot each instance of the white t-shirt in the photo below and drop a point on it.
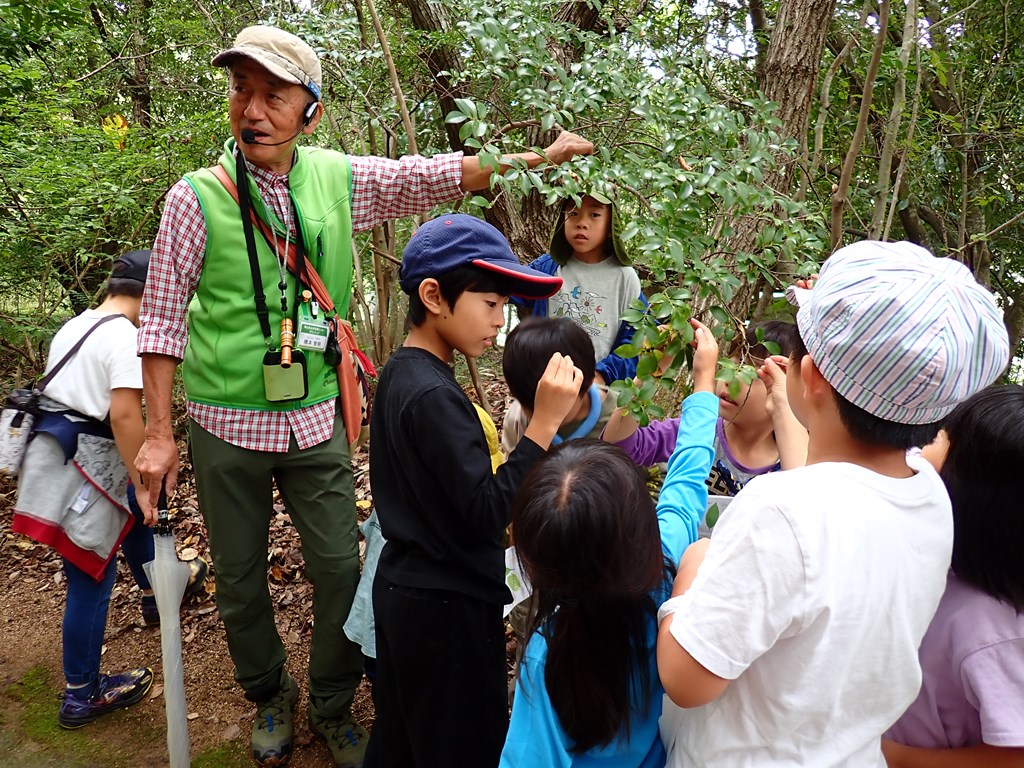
(816, 591)
(594, 296)
(107, 360)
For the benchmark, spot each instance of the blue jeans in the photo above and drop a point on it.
(85, 612)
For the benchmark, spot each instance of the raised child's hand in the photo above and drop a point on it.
(807, 283)
(558, 393)
(773, 373)
(790, 434)
(705, 359)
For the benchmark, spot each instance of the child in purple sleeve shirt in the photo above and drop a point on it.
(756, 432)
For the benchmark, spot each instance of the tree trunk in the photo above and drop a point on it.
(138, 80)
(791, 68)
(441, 60)
(792, 64)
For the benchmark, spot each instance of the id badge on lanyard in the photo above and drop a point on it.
(312, 330)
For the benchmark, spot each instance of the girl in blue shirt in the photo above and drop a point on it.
(601, 559)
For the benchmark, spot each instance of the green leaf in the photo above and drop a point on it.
(466, 107)
(627, 351)
(647, 365)
(631, 316)
(720, 315)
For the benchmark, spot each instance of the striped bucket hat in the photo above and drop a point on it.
(900, 333)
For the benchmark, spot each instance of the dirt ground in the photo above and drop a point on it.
(32, 604)
(31, 610)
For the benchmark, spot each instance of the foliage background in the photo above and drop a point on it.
(742, 139)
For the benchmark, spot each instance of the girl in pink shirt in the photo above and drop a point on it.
(970, 710)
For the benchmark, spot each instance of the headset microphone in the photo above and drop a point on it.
(249, 135)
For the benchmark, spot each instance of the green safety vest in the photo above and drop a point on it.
(223, 362)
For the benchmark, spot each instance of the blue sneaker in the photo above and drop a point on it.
(113, 692)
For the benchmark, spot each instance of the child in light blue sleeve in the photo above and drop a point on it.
(600, 556)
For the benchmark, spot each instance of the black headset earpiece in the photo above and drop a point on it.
(307, 116)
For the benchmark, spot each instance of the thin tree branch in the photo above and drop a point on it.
(499, 132)
(826, 100)
(839, 196)
(905, 155)
(122, 57)
(396, 86)
(892, 125)
(953, 16)
(989, 235)
(385, 255)
(17, 202)
(639, 196)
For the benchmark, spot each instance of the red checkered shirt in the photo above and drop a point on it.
(382, 189)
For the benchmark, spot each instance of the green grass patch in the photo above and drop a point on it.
(37, 692)
(230, 754)
(35, 732)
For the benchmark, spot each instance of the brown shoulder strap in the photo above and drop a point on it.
(316, 285)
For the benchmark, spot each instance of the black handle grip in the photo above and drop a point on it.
(163, 523)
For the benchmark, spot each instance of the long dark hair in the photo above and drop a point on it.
(587, 535)
(982, 474)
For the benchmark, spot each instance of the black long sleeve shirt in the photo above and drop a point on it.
(440, 507)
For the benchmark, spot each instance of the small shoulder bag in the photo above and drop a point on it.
(22, 406)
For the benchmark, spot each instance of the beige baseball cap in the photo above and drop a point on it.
(283, 54)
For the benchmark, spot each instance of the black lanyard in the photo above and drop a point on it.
(245, 204)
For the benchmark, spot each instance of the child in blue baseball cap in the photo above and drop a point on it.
(439, 590)
(792, 635)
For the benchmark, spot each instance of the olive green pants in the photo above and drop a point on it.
(235, 489)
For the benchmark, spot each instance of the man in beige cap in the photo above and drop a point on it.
(253, 421)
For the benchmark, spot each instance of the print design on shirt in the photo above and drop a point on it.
(583, 308)
(722, 482)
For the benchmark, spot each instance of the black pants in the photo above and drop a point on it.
(441, 692)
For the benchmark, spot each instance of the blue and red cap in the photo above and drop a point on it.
(457, 239)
